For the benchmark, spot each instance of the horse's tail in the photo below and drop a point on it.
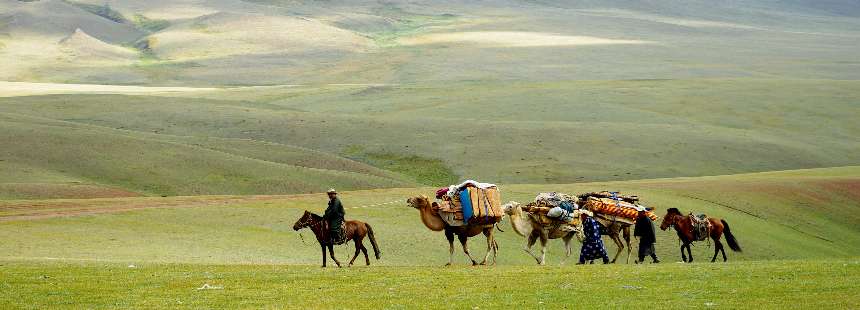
(730, 239)
(373, 241)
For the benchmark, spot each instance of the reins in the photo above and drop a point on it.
(314, 226)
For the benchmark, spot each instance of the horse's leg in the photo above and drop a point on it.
(331, 253)
(363, 250)
(323, 252)
(450, 236)
(717, 246)
(357, 249)
(683, 255)
(722, 249)
(690, 251)
(366, 258)
(464, 241)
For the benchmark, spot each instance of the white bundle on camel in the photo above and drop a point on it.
(471, 202)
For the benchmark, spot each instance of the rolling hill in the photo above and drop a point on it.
(154, 154)
(799, 214)
(58, 153)
(230, 42)
(435, 134)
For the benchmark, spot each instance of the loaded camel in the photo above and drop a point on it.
(431, 219)
(533, 230)
(530, 227)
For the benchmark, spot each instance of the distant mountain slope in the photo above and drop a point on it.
(58, 19)
(60, 154)
(82, 47)
(227, 34)
(229, 42)
(512, 132)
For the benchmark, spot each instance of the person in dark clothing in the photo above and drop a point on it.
(334, 216)
(646, 233)
(592, 246)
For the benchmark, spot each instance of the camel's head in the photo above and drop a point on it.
(418, 202)
(510, 207)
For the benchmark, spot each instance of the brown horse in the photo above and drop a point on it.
(683, 225)
(354, 230)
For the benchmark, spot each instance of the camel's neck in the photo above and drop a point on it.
(431, 220)
(522, 225)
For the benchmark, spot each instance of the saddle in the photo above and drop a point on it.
(339, 238)
(701, 226)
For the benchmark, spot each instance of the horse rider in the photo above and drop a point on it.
(645, 231)
(592, 246)
(334, 215)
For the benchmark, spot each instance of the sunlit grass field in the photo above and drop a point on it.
(824, 284)
(798, 230)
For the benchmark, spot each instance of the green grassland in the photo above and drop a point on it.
(830, 284)
(48, 151)
(432, 134)
(798, 229)
(807, 214)
(744, 110)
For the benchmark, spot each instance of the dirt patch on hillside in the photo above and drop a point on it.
(12, 89)
(60, 191)
(31, 210)
(514, 39)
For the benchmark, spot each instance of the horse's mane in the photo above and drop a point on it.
(314, 215)
(673, 211)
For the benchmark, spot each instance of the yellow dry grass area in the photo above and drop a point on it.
(225, 34)
(514, 39)
(28, 53)
(13, 89)
(685, 22)
(32, 52)
(81, 46)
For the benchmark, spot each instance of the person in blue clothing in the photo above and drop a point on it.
(592, 245)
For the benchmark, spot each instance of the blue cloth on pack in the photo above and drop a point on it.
(566, 205)
(466, 203)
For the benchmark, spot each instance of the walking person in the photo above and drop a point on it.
(334, 215)
(592, 246)
(644, 230)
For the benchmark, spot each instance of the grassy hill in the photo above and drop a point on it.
(206, 43)
(427, 93)
(804, 214)
(798, 229)
(433, 134)
(206, 127)
(58, 154)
